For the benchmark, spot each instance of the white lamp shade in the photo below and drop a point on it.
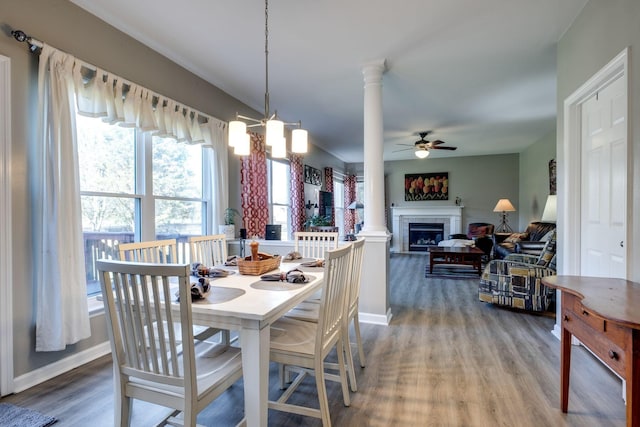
(504, 205)
(237, 130)
(242, 148)
(299, 141)
(275, 131)
(550, 212)
(422, 154)
(279, 149)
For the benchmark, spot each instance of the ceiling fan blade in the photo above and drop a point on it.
(404, 149)
(444, 148)
(437, 142)
(406, 145)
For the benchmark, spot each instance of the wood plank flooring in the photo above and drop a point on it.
(447, 359)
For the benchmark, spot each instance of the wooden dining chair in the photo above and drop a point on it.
(303, 346)
(155, 251)
(313, 244)
(165, 252)
(155, 357)
(309, 311)
(208, 250)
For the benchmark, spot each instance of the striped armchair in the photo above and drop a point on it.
(516, 281)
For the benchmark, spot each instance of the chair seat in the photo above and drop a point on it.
(215, 366)
(292, 338)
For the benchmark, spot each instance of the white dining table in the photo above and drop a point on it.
(246, 304)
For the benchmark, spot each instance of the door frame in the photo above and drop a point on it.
(570, 170)
(6, 243)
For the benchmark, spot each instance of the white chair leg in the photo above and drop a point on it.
(356, 326)
(343, 374)
(322, 395)
(349, 360)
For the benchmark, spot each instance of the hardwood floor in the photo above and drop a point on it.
(447, 359)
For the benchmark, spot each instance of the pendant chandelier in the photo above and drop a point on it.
(239, 139)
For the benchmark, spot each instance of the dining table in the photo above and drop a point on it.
(249, 305)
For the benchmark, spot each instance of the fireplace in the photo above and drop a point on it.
(401, 217)
(423, 235)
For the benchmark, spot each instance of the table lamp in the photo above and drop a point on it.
(550, 212)
(504, 206)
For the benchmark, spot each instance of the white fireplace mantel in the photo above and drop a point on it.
(450, 216)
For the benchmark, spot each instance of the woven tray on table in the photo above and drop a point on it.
(266, 263)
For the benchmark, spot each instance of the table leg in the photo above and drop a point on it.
(632, 372)
(255, 371)
(430, 263)
(565, 368)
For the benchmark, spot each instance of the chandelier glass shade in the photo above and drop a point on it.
(422, 154)
(274, 127)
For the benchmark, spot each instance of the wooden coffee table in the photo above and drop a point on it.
(456, 255)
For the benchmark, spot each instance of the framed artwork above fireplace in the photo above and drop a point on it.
(426, 186)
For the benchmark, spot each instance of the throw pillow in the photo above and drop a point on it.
(549, 251)
(516, 237)
(547, 236)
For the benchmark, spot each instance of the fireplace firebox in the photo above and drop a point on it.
(422, 235)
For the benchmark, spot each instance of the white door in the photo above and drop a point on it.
(604, 182)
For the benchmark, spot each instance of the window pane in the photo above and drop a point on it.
(106, 156)
(280, 183)
(281, 216)
(106, 222)
(177, 169)
(175, 218)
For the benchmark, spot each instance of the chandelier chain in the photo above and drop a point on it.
(266, 58)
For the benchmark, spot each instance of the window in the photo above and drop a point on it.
(136, 187)
(279, 195)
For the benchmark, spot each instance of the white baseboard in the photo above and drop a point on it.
(375, 319)
(52, 370)
(557, 331)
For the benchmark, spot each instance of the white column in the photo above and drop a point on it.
(374, 295)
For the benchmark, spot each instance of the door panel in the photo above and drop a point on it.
(604, 180)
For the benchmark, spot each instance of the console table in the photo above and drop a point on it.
(604, 314)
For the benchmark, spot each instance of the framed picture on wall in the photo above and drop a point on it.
(312, 175)
(426, 186)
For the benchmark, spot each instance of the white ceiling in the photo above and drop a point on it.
(480, 73)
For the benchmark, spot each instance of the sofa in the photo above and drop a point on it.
(516, 281)
(529, 242)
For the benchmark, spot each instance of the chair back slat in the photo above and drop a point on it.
(314, 244)
(155, 251)
(142, 322)
(334, 297)
(356, 272)
(208, 250)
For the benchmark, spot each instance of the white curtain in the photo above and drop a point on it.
(68, 86)
(61, 293)
(216, 147)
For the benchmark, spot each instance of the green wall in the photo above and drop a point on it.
(534, 178)
(479, 181)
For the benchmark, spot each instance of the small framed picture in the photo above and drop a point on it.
(312, 175)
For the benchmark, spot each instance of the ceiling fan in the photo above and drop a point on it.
(422, 146)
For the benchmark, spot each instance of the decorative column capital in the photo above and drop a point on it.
(373, 70)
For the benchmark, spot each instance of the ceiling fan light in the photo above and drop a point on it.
(275, 131)
(237, 130)
(299, 141)
(242, 148)
(422, 154)
(279, 149)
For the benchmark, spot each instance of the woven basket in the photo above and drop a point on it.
(255, 268)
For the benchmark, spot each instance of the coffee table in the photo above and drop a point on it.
(468, 255)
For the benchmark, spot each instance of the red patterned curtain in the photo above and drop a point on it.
(328, 184)
(349, 196)
(298, 213)
(255, 190)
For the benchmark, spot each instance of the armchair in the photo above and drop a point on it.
(516, 281)
(482, 235)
